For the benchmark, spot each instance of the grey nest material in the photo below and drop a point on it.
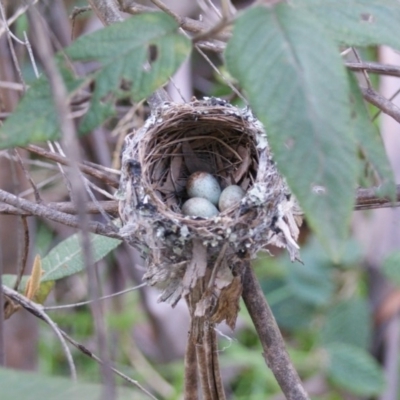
(191, 254)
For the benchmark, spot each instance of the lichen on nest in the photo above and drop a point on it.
(213, 136)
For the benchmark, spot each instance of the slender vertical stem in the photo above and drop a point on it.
(203, 371)
(219, 387)
(191, 378)
(78, 193)
(275, 353)
(2, 350)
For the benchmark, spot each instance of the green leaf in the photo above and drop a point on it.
(66, 259)
(35, 119)
(358, 22)
(122, 49)
(292, 314)
(391, 267)
(311, 283)
(355, 370)
(30, 386)
(43, 292)
(296, 84)
(348, 322)
(369, 140)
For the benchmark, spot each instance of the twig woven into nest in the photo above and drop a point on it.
(185, 253)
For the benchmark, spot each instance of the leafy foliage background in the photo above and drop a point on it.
(287, 61)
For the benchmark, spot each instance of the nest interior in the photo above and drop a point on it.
(212, 142)
(177, 140)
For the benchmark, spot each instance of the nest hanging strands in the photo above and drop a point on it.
(188, 254)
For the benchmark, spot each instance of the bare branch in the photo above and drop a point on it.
(38, 311)
(275, 353)
(106, 10)
(67, 207)
(368, 199)
(187, 24)
(83, 303)
(364, 71)
(2, 320)
(374, 67)
(163, 7)
(381, 102)
(56, 216)
(85, 167)
(25, 252)
(365, 199)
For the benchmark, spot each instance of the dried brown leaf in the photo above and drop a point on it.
(245, 164)
(197, 266)
(228, 303)
(33, 284)
(192, 161)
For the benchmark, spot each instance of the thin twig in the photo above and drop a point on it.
(12, 86)
(10, 38)
(93, 356)
(381, 102)
(60, 167)
(83, 303)
(110, 207)
(28, 177)
(365, 199)
(56, 216)
(212, 32)
(25, 252)
(374, 67)
(16, 15)
(164, 7)
(275, 353)
(38, 310)
(188, 24)
(75, 12)
(364, 71)
(106, 10)
(2, 321)
(78, 195)
(84, 167)
(144, 368)
(40, 185)
(31, 56)
(391, 98)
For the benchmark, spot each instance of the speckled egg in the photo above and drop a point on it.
(205, 185)
(230, 196)
(199, 207)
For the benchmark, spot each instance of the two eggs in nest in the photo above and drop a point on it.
(205, 195)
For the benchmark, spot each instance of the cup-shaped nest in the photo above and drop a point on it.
(215, 137)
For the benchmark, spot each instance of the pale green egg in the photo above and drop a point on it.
(199, 207)
(230, 196)
(205, 185)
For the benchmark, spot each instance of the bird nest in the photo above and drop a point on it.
(188, 254)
